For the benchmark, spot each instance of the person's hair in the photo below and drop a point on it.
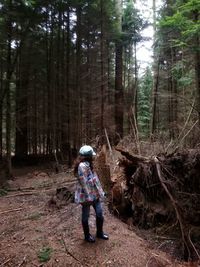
(82, 159)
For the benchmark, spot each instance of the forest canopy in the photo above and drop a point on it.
(69, 70)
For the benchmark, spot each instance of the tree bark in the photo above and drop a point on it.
(119, 96)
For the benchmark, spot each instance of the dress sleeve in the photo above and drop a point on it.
(98, 186)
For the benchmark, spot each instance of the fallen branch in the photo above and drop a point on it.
(68, 252)
(109, 146)
(135, 129)
(135, 159)
(5, 262)
(21, 194)
(7, 211)
(42, 187)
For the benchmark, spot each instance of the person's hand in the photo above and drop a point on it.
(88, 200)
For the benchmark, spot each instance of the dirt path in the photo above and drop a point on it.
(30, 230)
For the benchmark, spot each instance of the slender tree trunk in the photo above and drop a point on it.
(49, 59)
(155, 78)
(119, 96)
(197, 64)
(135, 93)
(21, 140)
(8, 100)
(102, 70)
(1, 112)
(78, 102)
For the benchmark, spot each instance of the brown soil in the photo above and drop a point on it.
(29, 224)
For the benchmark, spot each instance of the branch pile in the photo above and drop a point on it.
(159, 190)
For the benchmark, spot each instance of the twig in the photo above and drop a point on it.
(7, 211)
(23, 261)
(4, 263)
(186, 135)
(183, 129)
(193, 245)
(68, 252)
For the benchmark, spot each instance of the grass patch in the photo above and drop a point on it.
(34, 216)
(44, 254)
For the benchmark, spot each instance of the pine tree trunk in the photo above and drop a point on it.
(197, 65)
(119, 97)
(155, 79)
(1, 112)
(102, 71)
(8, 100)
(77, 125)
(21, 143)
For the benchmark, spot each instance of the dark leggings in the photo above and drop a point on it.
(86, 211)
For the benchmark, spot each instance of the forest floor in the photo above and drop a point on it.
(35, 233)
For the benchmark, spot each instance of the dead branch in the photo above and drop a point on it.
(7, 211)
(43, 187)
(21, 194)
(136, 133)
(135, 159)
(188, 245)
(5, 262)
(23, 261)
(183, 129)
(69, 253)
(109, 146)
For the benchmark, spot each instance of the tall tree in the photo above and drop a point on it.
(119, 97)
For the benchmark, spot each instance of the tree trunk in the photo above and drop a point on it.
(155, 77)
(1, 112)
(119, 97)
(197, 64)
(8, 103)
(102, 70)
(21, 143)
(77, 125)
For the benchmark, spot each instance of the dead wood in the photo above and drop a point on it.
(5, 262)
(133, 158)
(189, 249)
(22, 194)
(70, 254)
(161, 190)
(42, 187)
(7, 211)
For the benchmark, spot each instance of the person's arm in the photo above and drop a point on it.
(82, 177)
(98, 186)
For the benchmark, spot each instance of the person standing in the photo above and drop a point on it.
(89, 192)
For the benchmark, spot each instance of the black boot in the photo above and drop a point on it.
(88, 237)
(100, 233)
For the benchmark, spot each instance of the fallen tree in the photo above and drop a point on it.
(153, 191)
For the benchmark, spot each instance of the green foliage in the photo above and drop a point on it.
(144, 96)
(132, 23)
(44, 254)
(184, 21)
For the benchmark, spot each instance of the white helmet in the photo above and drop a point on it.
(87, 151)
